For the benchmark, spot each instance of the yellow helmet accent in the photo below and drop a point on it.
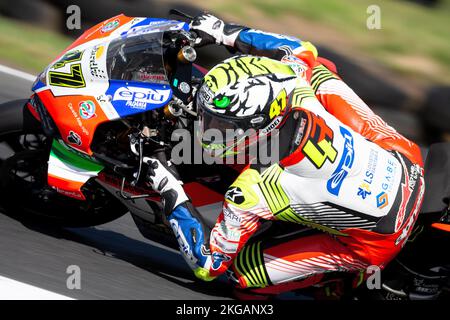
(242, 67)
(278, 104)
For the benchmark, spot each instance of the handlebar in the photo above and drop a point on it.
(179, 13)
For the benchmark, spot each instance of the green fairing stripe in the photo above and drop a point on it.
(65, 155)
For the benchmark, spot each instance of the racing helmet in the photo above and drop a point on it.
(243, 98)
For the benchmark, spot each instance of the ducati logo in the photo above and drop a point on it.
(235, 195)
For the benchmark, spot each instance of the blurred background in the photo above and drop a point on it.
(402, 70)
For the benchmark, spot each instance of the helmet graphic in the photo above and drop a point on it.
(243, 99)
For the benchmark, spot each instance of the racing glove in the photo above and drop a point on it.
(211, 29)
(164, 182)
(187, 224)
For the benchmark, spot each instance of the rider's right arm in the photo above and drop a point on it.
(210, 254)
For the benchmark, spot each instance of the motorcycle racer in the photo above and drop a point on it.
(342, 169)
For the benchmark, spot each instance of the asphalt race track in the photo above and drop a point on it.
(116, 262)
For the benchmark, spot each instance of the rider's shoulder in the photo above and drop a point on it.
(241, 192)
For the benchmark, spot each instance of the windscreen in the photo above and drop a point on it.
(137, 58)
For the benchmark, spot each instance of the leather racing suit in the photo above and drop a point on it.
(344, 171)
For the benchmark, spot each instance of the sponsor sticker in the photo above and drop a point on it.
(95, 70)
(218, 258)
(87, 109)
(382, 200)
(414, 172)
(74, 138)
(334, 184)
(271, 125)
(364, 188)
(72, 194)
(150, 77)
(182, 242)
(230, 233)
(300, 132)
(99, 52)
(406, 231)
(154, 26)
(297, 65)
(110, 26)
(389, 176)
(230, 217)
(141, 97)
(235, 195)
(406, 189)
(206, 95)
(77, 116)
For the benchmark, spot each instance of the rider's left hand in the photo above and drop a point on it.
(181, 215)
(164, 182)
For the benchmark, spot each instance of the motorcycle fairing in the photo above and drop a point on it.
(38, 84)
(78, 95)
(69, 171)
(77, 117)
(102, 30)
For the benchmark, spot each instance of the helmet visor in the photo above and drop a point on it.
(223, 136)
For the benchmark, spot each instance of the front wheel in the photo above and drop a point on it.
(24, 192)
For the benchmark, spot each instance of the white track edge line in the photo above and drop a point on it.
(17, 73)
(15, 290)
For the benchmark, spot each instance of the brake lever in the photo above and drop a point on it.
(180, 13)
(192, 34)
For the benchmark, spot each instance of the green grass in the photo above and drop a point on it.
(28, 47)
(407, 29)
(417, 34)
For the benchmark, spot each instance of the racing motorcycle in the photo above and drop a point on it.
(72, 155)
